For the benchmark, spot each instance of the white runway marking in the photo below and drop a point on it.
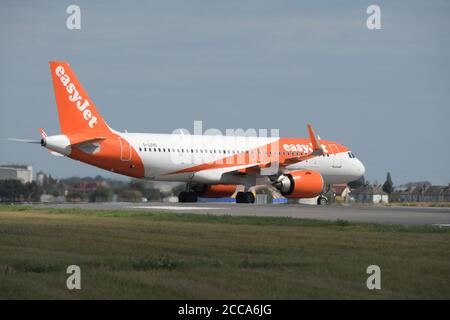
(442, 225)
(176, 208)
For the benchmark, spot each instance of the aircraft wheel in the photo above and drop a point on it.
(322, 200)
(245, 197)
(187, 196)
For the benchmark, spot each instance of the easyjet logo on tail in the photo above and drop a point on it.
(74, 96)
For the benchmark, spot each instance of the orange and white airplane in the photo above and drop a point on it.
(211, 166)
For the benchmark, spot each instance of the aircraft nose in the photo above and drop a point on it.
(360, 167)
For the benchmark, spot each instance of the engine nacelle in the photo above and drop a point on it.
(300, 184)
(216, 190)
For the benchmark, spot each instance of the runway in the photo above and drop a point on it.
(353, 213)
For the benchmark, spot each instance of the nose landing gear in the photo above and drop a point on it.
(322, 200)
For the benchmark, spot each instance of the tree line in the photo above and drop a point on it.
(72, 190)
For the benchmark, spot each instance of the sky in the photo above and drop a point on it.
(155, 66)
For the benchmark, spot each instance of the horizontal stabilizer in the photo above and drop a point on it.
(77, 141)
(24, 140)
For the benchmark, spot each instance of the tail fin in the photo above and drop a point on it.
(77, 112)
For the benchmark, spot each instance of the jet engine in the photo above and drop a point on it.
(300, 184)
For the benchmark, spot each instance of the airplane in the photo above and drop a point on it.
(211, 166)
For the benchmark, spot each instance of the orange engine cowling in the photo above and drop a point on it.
(216, 191)
(300, 184)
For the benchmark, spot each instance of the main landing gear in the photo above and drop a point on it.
(187, 196)
(191, 195)
(245, 197)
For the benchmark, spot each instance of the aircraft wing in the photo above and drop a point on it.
(317, 151)
(255, 166)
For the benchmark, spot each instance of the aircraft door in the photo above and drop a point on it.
(125, 150)
(337, 160)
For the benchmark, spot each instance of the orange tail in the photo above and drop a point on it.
(77, 112)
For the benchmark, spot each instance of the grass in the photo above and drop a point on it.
(160, 255)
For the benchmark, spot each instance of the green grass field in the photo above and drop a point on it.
(143, 255)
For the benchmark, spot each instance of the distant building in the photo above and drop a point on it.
(370, 193)
(16, 172)
(41, 178)
(446, 194)
(432, 194)
(424, 193)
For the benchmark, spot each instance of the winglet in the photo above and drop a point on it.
(317, 148)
